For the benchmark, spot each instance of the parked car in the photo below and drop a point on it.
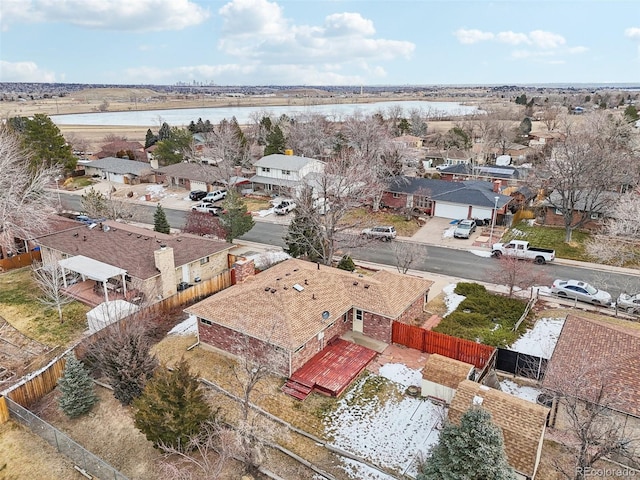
(284, 207)
(197, 195)
(522, 249)
(464, 229)
(206, 207)
(384, 233)
(215, 196)
(582, 291)
(629, 303)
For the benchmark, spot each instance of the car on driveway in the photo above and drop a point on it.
(581, 291)
(384, 233)
(215, 196)
(206, 207)
(629, 303)
(464, 229)
(284, 207)
(197, 195)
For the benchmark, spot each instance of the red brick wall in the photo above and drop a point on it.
(550, 218)
(414, 310)
(313, 346)
(389, 201)
(244, 269)
(377, 327)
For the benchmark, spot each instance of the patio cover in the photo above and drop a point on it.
(90, 268)
(109, 312)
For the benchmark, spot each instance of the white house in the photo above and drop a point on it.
(283, 172)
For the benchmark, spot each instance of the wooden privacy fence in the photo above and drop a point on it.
(41, 383)
(446, 345)
(20, 260)
(4, 410)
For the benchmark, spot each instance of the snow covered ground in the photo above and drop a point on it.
(541, 339)
(187, 327)
(451, 299)
(389, 432)
(520, 391)
(448, 233)
(481, 253)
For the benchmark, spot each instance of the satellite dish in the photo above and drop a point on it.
(325, 314)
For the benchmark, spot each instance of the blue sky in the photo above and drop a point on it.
(320, 42)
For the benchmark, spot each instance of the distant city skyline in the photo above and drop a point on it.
(320, 42)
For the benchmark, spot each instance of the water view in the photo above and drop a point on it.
(335, 112)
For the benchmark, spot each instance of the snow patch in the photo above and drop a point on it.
(520, 391)
(267, 259)
(448, 233)
(263, 213)
(400, 373)
(451, 299)
(518, 233)
(187, 327)
(541, 339)
(481, 253)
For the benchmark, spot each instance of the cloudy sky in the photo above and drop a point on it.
(320, 42)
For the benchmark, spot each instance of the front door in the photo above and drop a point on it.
(358, 320)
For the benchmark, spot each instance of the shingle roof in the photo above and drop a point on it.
(129, 247)
(120, 165)
(191, 171)
(252, 308)
(599, 352)
(522, 422)
(285, 162)
(445, 371)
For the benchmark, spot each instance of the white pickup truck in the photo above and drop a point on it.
(522, 249)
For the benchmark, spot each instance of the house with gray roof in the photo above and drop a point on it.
(440, 198)
(120, 170)
(279, 172)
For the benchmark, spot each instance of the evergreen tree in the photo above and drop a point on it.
(346, 263)
(164, 132)
(173, 147)
(43, 137)
(472, 450)
(275, 141)
(172, 407)
(631, 113)
(77, 390)
(160, 223)
(237, 221)
(525, 126)
(404, 126)
(150, 139)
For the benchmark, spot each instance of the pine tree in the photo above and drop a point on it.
(172, 407)
(160, 223)
(150, 139)
(164, 132)
(77, 390)
(94, 203)
(472, 450)
(275, 141)
(237, 221)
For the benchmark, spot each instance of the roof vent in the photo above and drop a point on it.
(298, 287)
(139, 236)
(355, 283)
(296, 269)
(306, 282)
(287, 274)
(129, 233)
(76, 234)
(273, 290)
(278, 279)
(266, 289)
(325, 314)
(367, 286)
(477, 400)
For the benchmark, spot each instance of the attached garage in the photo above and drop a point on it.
(450, 210)
(198, 185)
(480, 212)
(115, 177)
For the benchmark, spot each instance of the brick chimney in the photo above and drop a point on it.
(496, 186)
(244, 269)
(165, 263)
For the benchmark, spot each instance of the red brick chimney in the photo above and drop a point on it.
(244, 269)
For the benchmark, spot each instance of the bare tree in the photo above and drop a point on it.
(50, 280)
(588, 408)
(550, 116)
(516, 273)
(97, 205)
(203, 224)
(310, 135)
(78, 143)
(25, 204)
(406, 254)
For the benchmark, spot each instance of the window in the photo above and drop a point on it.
(265, 169)
(345, 317)
(422, 202)
(204, 260)
(359, 315)
(557, 211)
(286, 172)
(206, 322)
(396, 195)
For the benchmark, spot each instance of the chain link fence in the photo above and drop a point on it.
(81, 457)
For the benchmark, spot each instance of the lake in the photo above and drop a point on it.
(182, 117)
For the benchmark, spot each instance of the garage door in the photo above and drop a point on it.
(116, 178)
(481, 212)
(450, 210)
(195, 185)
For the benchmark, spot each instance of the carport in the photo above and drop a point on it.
(91, 269)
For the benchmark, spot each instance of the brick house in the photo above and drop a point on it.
(151, 263)
(119, 170)
(292, 310)
(602, 360)
(522, 423)
(593, 211)
(440, 198)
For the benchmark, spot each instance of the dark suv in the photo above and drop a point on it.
(197, 195)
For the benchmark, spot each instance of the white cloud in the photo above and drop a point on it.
(343, 24)
(513, 38)
(546, 40)
(633, 33)
(468, 37)
(576, 50)
(127, 15)
(24, 72)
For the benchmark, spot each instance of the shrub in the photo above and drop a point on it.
(77, 390)
(346, 263)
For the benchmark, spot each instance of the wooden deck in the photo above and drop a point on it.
(330, 371)
(86, 293)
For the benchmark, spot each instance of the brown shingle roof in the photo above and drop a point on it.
(522, 422)
(192, 171)
(289, 318)
(599, 353)
(445, 371)
(129, 247)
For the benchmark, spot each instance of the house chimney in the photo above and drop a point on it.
(244, 269)
(496, 186)
(165, 263)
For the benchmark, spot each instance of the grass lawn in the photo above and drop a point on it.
(74, 183)
(19, 305)
(551, 237)
(255, 204)
(365, 217)
(484, 317)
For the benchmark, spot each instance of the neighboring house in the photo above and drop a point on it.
(522, 195)
(442, 375)
(292, 310)
(408, 141)
(522, 423)
(283, 172)
(440, 198)
(120, 170)
(198, 176)
(152, 263)
(548, 214)
(541, 139)
(489, 173)
(454, 156)
(123, 147)
(598, 361)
